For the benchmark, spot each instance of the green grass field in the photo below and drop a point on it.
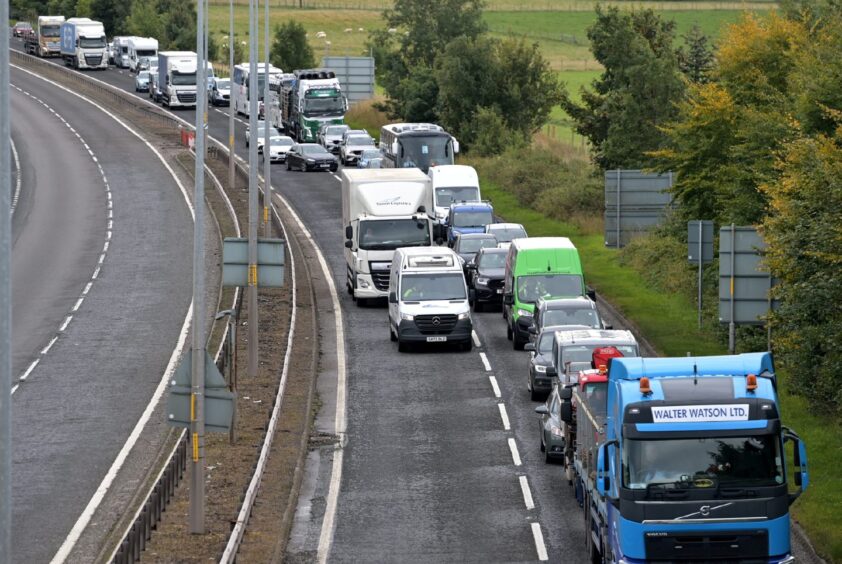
(515, 5)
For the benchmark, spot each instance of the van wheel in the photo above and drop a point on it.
(362, 302)
(535, 396)
(467, 345)
(509, 332)
(403, 347)
(392, 336)
(478, 306)
(517, 342)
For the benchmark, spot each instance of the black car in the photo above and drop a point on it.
(550, 426)
(486, 273)
(467, 245)
(542, 373)
(310, 156)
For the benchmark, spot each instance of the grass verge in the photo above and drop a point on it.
(669, 323)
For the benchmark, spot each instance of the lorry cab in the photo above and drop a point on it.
(468, 218)
(538, 267)
(688, 462)
(453, 184)
(428, 298)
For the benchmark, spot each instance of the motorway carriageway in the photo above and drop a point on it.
(101, 259)
(442, 459)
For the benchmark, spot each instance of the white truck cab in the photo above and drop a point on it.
(453, 183)
(428, 298)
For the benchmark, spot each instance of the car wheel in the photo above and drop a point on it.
(334, 168)
(536, 396)
(289, 166)
(543, 448)
(478, 305)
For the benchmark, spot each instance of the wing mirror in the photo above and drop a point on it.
(542, 410)
(393, 297)
(508, 299)
(551, 371)
(529, 347)
(349, 232)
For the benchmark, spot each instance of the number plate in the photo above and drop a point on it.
(436, 339)
(325, 165)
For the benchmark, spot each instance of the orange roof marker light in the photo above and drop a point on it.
(751, 382)
(645, 388)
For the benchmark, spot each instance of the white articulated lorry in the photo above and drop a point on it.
(177, 78)
(83, 44)
(383, 210)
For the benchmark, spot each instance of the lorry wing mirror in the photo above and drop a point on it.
(591, 293)
(455, 146)
(603, 466)
(349, 232)
(508, 299)
(393, 297)
(349, 244)
(799, 462)
(566, 412)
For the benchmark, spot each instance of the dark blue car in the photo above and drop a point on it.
(468, 218)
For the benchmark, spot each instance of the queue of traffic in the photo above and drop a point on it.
(670, 459)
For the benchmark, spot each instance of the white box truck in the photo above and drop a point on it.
(382, 210)
(177, 78)
(140, 47)
(453, 184)
(83, 44)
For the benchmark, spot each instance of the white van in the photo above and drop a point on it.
(428, 298)
(453, 183)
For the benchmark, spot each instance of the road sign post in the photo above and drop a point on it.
(253, 199)
(700, 250)
(5, 295)
(267, 160)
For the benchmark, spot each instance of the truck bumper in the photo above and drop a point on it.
(366, 289)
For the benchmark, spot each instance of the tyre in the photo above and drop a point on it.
(543, 448)
(509, 332)
(517, 342)
(403, 347)
(535, 396)
(478, 306)
(467, 345)
(392, 333)
(289, 167)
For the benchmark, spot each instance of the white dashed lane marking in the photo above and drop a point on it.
(494, 386)
(504, 416)
(527, 493)
(515, 453)
(539, 542)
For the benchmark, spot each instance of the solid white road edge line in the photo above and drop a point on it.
(494, 385)
(485, 362)
(515, 453)
(504, 416)
(540, 547)
(81, 523)
(527, 493)
(16, 195)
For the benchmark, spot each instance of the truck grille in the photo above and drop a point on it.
(93, 60)
(721, 547)
(186, 97)
(435, 324)
(380, 278)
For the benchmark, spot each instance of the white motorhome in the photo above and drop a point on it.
(140, 47)
(83, 44)
(177, 78)
(428, 298)
(453, 183)
(240, 84)
(419, 145)
(121, 51)
(382, 210)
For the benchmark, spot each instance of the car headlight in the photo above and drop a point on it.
(464, 315)
(407, 317)
(482, 280)
(556, 431)
(524, 312)
(540, 369)
(311, 161)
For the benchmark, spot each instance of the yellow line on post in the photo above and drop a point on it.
(265, 214)
(195, 447)
(192, 407)
(252, 275)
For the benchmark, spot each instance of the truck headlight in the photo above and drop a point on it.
(482, 280)
(464, 315)
(362, 283)
(524, 312)
(407, 317)
(540, 369)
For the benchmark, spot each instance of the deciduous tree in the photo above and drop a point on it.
(290, 49)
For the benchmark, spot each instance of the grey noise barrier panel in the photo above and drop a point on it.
(355, 74)
(741, 252)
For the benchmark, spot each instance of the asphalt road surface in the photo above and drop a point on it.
(98, 322)
(442, 461)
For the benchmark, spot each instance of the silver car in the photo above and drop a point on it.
(330, 136)
(353, 147)
(141, 81)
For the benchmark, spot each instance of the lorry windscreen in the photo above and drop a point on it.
(392, 234)
(472, 218)
(424, 151)
(449, 194)
(534, 286)
(50, 31)
(434, 286)
(91, 42)
(705, 462)
(328, 105)
(184, 79)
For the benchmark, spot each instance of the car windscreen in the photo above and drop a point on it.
(393, 234)
(492, 260)
(337, 130)
(445, 196)
(584, 353)
(434, 286)
(472, 218)
(223, 84)
(281, 142)
(506, 235)
(474, 245)
(570, 316)
(143, 75)
(313, 150)
(534, 286)
(370, 154)
(702, 463)
(359, 140)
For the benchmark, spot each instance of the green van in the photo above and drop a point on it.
(538, 267)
